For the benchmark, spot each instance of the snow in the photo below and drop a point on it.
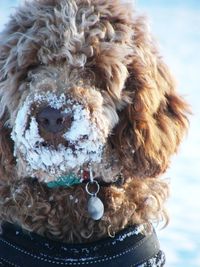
(50, 98)
(176, 25)
(136, 231)
(154, 262)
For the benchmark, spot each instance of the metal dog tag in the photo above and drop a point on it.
(95, 208)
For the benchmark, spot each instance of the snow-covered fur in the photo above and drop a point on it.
(96, 62)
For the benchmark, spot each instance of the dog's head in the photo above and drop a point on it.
(82, 83)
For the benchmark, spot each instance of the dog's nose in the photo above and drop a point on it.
(53, 120)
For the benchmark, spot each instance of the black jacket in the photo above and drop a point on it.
(128, 248)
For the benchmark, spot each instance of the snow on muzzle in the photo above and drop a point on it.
(47, 152)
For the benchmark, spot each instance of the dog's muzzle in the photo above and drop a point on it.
(55, 136)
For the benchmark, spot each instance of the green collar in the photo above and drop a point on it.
(65, 181)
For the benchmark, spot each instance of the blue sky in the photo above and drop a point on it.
(176, 25)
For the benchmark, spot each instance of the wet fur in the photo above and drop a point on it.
(122, 58)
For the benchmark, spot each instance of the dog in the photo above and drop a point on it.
(90, 118)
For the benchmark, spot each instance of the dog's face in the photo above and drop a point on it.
(61, 125)
(83, 87)
(81, 84)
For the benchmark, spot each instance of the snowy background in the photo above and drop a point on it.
(176, 25)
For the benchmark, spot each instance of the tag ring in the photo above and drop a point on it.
(97, 188)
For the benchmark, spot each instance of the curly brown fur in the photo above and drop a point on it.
(62, 214)
(111, 49)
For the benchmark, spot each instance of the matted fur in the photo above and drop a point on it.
(109, 43)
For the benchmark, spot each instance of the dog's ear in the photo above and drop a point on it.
(152, 125)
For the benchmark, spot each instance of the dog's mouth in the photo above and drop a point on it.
(55, 137)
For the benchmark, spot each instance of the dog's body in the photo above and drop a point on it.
(89, 119)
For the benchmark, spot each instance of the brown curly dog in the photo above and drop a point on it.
(89, 120)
